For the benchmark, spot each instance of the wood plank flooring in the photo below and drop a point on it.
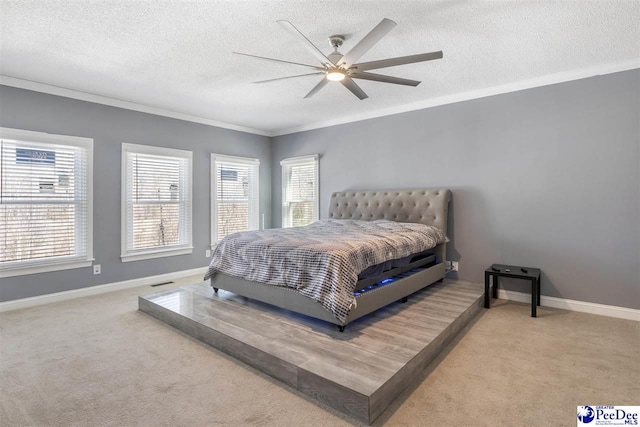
(359, 371)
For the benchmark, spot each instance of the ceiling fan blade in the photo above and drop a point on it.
(317, 87)
(278, 60)
(354, 88)
(367, 42)
(400, 60)
(305, 41)
(288, 77)
(384, 79)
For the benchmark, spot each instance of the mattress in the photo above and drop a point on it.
(321, 261)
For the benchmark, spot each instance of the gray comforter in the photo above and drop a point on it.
(322, 260)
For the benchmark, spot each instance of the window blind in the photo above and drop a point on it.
(300, 191)
(157, 199)
(236, 198)
(44, 202)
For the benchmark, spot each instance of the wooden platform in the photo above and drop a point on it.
(358, 372)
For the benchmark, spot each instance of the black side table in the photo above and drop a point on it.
(514, 272)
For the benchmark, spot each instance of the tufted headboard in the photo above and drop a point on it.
(425, 206)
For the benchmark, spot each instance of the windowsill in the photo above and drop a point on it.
(139, 256)
(43, 268)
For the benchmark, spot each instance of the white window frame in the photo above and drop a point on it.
(285, 164)
(20, 268)
(254, 222)
(186, 247)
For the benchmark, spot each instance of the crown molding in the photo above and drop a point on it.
(113, 102)
(547, 80)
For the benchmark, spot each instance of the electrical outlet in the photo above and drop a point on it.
(454, 265)
(96, 269)
(207, 253)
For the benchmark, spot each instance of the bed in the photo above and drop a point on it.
(418, 206)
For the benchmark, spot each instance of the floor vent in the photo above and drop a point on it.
(160, 284)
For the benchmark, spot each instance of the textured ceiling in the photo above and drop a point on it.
(177, 56)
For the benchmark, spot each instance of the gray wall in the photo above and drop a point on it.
(109, 127)
(546, 177)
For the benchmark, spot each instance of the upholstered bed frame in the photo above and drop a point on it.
(426, 206)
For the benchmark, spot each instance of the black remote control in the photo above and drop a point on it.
(524, 270)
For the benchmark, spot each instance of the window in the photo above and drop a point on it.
(299, 191)
(46, 184)
(235, 202)
(156, 202)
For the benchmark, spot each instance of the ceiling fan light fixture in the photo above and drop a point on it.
(337, 67)
(336, 75)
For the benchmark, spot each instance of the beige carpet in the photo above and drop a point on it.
(97, 361)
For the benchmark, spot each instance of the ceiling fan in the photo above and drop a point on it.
(337, 67)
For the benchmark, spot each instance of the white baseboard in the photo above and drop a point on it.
(99, 289)
(573, 305)
(553, 302)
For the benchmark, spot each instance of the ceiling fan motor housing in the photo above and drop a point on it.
(334, 57)
(337, 67)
